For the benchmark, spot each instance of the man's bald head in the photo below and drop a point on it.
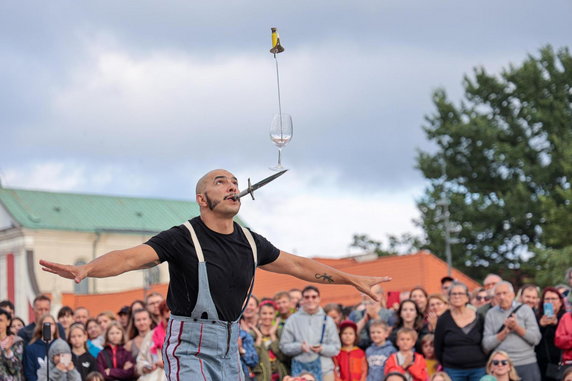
(203, 181)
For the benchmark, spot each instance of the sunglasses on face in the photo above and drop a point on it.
(485, 298)
(500, 362)
(311, 296)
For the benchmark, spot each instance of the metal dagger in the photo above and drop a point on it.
(251, 188)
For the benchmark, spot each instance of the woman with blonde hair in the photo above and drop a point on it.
(437, 304)
(500, 365)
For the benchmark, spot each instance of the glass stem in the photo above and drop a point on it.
(279, 157)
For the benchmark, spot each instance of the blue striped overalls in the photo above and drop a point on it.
(202, 347)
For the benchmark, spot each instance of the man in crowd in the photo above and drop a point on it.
(41, 306)
(153, 300)
(80, 315)
(212, 261)
(310, 334)
(371, 310)
(490, 282)
(530, 294)
(8, 306)
(295, 298)
(446, 283)
(284, 306)
(511, 327)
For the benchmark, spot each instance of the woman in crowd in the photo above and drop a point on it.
(500, 366)
(249, 318)
(94, 337)
(437, 305)
(38, 349)
(140, 325)
(84, 362)
(114, 362)
(104, 319)
(563, 338)
(11, 351)
(419, 296)
(458, 338)
(409, 316)
(548, 316)
(272, 362)
(158, 334)
(137, 304)
(16, 325)
(149, 364)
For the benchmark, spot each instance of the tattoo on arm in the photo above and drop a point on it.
(149, 265)
(325, 277)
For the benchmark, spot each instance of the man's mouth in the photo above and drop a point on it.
(231, 197)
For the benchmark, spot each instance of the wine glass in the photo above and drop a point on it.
(281, 131)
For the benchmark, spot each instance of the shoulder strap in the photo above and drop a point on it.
(252, 244)
(511, 313)
(323, 328)
(196, 243)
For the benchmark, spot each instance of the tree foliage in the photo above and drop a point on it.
(504, 162)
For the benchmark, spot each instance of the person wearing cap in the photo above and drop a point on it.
(61, 367)
(124, 314)
(351, 363)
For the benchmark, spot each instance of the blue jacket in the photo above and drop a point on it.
(376, 357)
(33, 354)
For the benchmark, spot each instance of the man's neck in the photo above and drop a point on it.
(218, 224)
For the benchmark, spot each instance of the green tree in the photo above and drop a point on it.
(504, 162)
(403, 244)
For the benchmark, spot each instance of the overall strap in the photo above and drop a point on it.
(250, 240)
(252, 244)
(196, 243)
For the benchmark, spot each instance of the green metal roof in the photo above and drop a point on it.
(90, 213)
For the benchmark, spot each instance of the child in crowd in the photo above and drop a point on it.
(60, 363)
(406, 361)
(378, 352)
(248, 355)
(440, 376)
(95, 376)
(114, 362)
(350, 363)
(429, 354)
(94, 337)
(84, 362)
(65, 318)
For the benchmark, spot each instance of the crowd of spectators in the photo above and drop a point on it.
(490, 333)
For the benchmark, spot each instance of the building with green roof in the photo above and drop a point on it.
(76, 228)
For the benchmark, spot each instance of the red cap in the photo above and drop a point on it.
(348, 323)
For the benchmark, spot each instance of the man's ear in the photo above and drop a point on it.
(201, 199)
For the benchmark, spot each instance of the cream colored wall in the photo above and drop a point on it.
(69, 247)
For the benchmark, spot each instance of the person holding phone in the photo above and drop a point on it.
(61, 367)
(549, 314)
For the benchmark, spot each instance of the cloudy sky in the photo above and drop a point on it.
(140, 98)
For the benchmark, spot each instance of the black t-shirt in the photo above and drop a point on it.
(229, 266)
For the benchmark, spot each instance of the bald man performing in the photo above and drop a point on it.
(212, 261)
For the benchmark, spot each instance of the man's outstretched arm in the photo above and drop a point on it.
(113, 263)
(313, 271)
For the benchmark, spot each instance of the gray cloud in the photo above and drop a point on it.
(146, 87)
